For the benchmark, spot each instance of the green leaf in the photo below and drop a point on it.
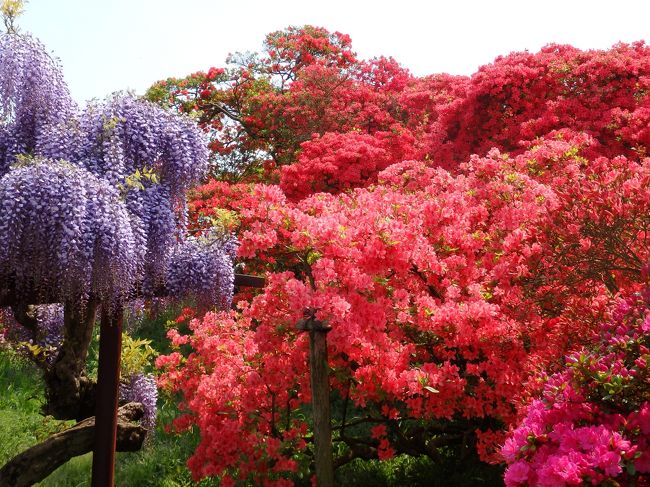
(313, 256)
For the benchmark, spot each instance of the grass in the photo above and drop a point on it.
(21, 424)
(404, 470)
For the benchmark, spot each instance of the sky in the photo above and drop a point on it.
(113, 45)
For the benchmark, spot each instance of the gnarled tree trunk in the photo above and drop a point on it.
(70, 393)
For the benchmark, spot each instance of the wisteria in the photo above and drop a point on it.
(93, 211)
(201, 267)
(123, 136)
(153, 207)
(13, 331)
(141, 388)
(50, 329)
(33, 95)
(66, 233)
(107, 219)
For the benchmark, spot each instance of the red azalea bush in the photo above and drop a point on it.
(269, 112)
(592, 424)
(526, 95)
(445, 294)
(261, 109)
(339, 161)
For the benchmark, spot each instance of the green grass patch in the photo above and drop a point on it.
(404, 470)
(21, 424)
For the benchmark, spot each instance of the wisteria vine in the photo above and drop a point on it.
(109, 218)
(33, 95)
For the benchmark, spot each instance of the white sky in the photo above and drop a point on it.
(111, 45)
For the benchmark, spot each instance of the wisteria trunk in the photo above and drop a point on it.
(70, 393)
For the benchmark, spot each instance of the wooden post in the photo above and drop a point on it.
(320, 398)
(108, 379)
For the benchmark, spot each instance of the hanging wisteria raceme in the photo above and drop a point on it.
(153, 206)
(66, 233)
(202, 268)
(142, 388)
(33, 95)
(49, 334)
(153, 156)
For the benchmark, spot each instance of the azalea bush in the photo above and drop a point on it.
(592, 423)
(310, 114)
(445, 293)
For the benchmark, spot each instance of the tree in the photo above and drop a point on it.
(261, 108)
(93, 211)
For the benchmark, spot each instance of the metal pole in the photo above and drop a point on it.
(108, 377)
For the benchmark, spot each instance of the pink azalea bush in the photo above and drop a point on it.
(592, 424)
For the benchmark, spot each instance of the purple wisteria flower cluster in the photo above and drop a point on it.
(201, 267)
(33, 95)
(592, 425)
(123, 135)
(65, 232)
(50, 329)
(141, 388)
(92, 201)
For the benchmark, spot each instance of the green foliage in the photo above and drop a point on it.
(21, 424)
(19, 382)
(155, 328)
(404, 470)
(12, 8)
(135, 180)
(221, 219)
(137, 355)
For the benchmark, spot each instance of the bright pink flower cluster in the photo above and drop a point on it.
(592, 424)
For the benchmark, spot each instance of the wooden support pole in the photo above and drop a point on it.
(320, 398)
(108, 379)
